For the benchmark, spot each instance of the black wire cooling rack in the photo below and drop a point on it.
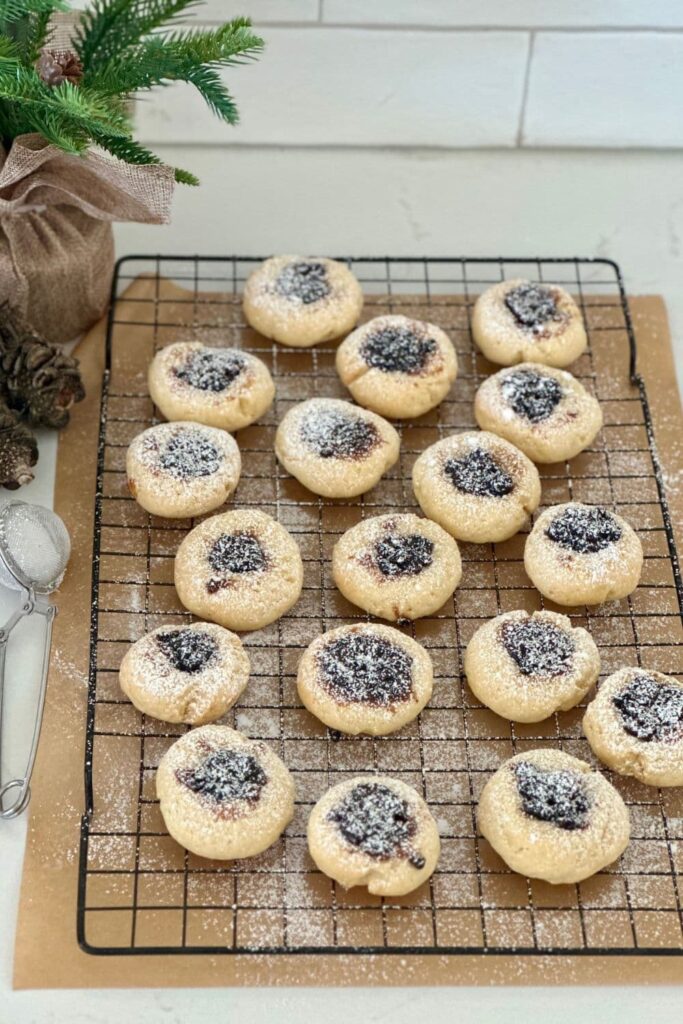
(140, 893)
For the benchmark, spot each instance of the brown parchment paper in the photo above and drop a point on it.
(46, 952)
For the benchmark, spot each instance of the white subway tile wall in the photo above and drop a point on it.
(605, 89)
(447, 74)
(506, 13)
(349, 87)
(262, 11)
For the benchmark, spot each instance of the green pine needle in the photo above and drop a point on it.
(110, 26)
(185, 177)
(15, 10)
(125, 47)
(133, 153)
(37, 31)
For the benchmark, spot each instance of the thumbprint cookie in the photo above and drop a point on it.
(240, 569)
(176, 470)
(365, 678)
(525, 667)
(222, 387)
(522, 321)
(301, 301)
(374, 831)
(635, 725)
(334, 448)
(222, 795)
(583, 554)
(191, 674)
(398, 367)
(546, 412)
(477, 486)
(551, 816)
(396, 566)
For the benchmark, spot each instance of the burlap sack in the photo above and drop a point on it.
(56, 244)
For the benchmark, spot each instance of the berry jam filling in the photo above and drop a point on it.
(366, 669)
(189, 454)
(397, 555)
(188, 650)
(478, 473)
(225, 776)
(532, 305)
(397, 350)
(211, 369)
(585, 530)
(374, 819)
(305, 281)
(332, 434)
(556, 796)
(237, 553)
(531, 395)
(538, 648)
(650, 710)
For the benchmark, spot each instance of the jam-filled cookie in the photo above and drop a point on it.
(300, 301)
(222, 387)
(334, 448)
(374, 831)
(551, 816)
(635, 725)
(189, 674)
(522, 321)
(477, 486)
(396, 566)
(182, 469)
(546, 412)
(583, 554)
(398, 367)
(222, 795)
(240, 569)
(365, 678)
(525, 667)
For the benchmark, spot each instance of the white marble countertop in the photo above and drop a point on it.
(403, 204)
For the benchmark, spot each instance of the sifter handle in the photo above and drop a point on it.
(23, 785)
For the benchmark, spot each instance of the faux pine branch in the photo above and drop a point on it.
(77, 98)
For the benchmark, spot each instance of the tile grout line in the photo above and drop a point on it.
(519, 138)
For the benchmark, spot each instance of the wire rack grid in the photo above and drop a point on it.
(139, 892)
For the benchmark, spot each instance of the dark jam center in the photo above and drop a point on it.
(584, 530)
(531, 394)
(398, 555)
(366, 670)
(377, 821)
(238, 553)
(188, 650)
(532, 305)
(211, 369)
(226, 776)
(478, 473)
(397, 350)
(650, 710)
(305, 281)
(556, 796)
(189, 454)
(333, 435)
(538, 648)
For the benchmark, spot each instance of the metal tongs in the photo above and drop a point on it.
(34, 551)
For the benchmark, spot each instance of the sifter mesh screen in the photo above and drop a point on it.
(34, 547)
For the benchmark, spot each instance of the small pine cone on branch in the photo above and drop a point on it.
(38, 379)
(18, 451)
(55, 67)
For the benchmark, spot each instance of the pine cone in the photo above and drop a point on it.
(55, 67)
(38, 379)
(18, 451)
